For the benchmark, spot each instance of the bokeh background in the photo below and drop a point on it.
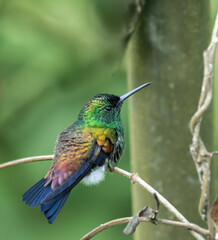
(54, 56)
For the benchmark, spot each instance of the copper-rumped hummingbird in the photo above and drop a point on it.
(84, 151)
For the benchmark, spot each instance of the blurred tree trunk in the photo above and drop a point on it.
(167, 49)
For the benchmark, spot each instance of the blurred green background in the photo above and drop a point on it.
(54, 56)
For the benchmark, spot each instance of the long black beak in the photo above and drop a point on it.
(125, 96)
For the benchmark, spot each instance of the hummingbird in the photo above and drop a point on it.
(84, 151)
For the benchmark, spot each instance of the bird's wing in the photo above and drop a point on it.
(77, 152)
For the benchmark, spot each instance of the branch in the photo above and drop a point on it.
(191, 226)
(120, 221)
(26, 160)
(136, 179)
(200, 155)
(214, 153)
(105, 226)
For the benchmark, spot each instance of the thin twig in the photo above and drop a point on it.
(214, 153)
(191, 226)
(200, 155)
(120, 221)
(136, 179)
(105, 226)
(26, 160)
(133, 177)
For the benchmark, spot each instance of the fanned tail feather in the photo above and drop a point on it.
(52, 209)
(37, 193)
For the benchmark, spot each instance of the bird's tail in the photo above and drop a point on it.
(52, 209)
(37, 193)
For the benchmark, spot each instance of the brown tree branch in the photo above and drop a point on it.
(26, 160)
(105, 226)
(132, 176)
(200, 155)
(136, 179)
(214, 153)
(119, 221)
(191, 226)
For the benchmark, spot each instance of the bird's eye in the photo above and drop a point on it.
(108, 108)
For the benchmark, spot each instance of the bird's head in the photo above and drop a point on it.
(103, 110)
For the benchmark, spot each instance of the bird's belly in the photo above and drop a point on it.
(96, 175)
